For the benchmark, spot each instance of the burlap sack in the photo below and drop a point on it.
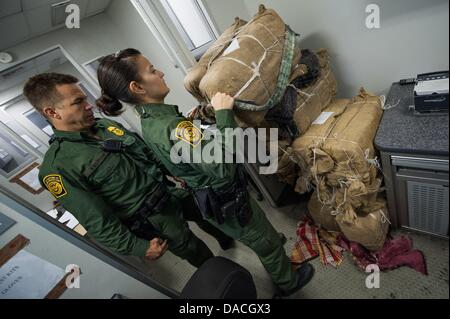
(260, 39)
(195, 74)
(256, 118)
(344, 172)
(249, 118)
(304, 146)
(303, 184)
(321, 214)
(312, 100)
(287, 171)
(369, 229)
(357, 194)
(351, 138)
(325, 193)
(317, 133)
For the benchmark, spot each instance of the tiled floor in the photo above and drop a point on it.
(347, 281)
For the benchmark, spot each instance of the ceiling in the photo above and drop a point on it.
(17, 75)
(21, 20)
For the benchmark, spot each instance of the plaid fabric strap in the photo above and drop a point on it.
(283, 76)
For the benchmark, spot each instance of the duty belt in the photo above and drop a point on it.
(153, 204)
(228, 201)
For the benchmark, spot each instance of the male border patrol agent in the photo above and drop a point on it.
(106, 176)
(220, 189)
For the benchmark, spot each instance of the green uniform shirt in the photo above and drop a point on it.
(160, 122)
(115, 188)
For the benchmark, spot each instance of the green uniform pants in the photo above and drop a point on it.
(171, 225)
(264, 240)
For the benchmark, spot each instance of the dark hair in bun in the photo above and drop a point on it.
(114, 74)
(108, 105)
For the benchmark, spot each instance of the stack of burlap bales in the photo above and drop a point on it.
(336, 158)
(329, 145)
(311, 101)
(257, 62)
(246, 62)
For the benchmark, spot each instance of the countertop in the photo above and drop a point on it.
(401, 131)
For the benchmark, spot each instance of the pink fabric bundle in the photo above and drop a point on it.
(395, 253)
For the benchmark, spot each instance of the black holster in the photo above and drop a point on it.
(228, 201)
(153, 204)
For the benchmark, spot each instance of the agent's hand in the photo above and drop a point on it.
(222, 101)
(156, 249)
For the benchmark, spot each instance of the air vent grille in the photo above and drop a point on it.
(427, 206)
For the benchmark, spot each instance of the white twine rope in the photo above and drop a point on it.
(291, 157)
(318, 184)
(236, 34)
(313, 93)
(388, 107)
(338, 211)
(283, 150)
(382, 99)
(384, 218)
(301, 92)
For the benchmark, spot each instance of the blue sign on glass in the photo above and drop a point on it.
(5, 223)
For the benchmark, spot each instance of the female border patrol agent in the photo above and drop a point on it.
(106, 176)
(220, 189)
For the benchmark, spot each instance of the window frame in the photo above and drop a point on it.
(157, 21)
(197, 52)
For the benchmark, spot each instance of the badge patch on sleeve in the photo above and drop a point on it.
(188, 132)
(55, 185)
(116, 131)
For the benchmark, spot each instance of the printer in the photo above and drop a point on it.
(431, 93)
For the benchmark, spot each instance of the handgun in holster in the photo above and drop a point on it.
(154, 203)
(216, 207)
(201, 197)
(230, 201)
(243, 211)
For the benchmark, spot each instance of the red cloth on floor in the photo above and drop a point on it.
(395, 253)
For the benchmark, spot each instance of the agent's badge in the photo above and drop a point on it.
(189, 133)
(116, 131)
(54, 184)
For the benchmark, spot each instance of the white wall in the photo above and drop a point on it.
(98, 280)
(413, 37)
(135, 34)
(223, 12)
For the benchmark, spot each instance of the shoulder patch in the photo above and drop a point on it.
(116, 131)
(189, 133)
(55, 185)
